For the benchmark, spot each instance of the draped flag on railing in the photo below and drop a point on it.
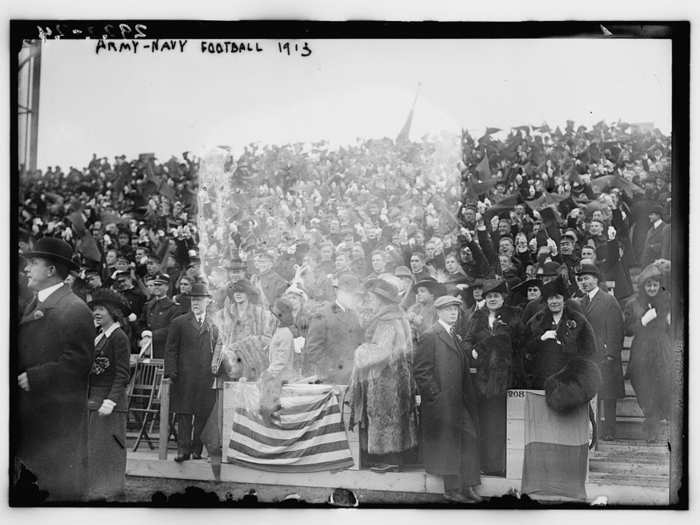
(305, 435)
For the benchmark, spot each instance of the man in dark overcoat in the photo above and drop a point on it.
(192, 341)
(657, 241)
(158, 313)
(55, 346)
(334, 335)
(449, 424)
(605, 316)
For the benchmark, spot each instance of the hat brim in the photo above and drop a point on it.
(385, 294)
(52, 257)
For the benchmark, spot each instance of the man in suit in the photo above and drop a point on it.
(657, 242)
(190, 347)
(158, 313)
(334, 334)
(55, 346)
(605, 315)
(448, 406)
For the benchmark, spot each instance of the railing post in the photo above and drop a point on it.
(164, 423)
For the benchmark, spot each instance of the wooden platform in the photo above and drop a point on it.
(146, 464)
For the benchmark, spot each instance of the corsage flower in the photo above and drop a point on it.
(571, 324)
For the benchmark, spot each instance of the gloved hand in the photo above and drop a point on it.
(549, 334)
(299, 344)
(475, 354)
(649, 316)
(106, 408)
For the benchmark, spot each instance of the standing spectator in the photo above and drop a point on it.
(158, 313)
(605, 316)
(107, 401)
(423, 314)
(449, 420)
(270, 282)
(191, 345)
(492, 339)
(648, 319)
(54, 355)
(658, 238)
(381, 392)
(334, 334)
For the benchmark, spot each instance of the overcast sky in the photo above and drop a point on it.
(130, 103)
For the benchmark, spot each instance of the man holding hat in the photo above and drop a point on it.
(158, 313)
(334, 334)
(191, 345)
(603, 312)
(448, 406)
(54, 356)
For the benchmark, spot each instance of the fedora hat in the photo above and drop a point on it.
(588, 269)
(384, 289)
(53, 249)
(199, 290)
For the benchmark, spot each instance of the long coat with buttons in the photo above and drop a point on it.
(606, 318)
(188, 358)
(55, 345)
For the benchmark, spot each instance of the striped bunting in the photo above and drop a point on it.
(306, 434)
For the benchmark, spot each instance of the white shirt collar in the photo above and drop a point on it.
(111, 329)
(42, 295)
(201, 317)
(446, 326)
(592, 293)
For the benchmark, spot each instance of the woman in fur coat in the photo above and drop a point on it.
(648, 319)
(491, 340)
(382, 387)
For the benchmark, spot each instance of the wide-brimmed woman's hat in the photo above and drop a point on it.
(110, 298)
(384, 289)
(650, 272)
(53, 249)
(433, 286)
(555, 287)
(494, 286)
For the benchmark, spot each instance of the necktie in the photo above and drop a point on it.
(586, 301)
(32, 305)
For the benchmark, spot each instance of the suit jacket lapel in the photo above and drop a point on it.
(595, 300)
(448, 339)
(38, 312)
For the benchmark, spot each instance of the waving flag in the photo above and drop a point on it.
(402, 137)
(305, 435)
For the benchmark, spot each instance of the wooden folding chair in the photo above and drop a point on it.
(144, 403)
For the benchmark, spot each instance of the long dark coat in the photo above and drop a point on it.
(651, 354)
(55, 349)
(605, 316)
(188, 356)
(107, 434)
(449, 420)
(575, 338)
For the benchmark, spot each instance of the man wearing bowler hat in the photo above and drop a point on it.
(657, 242)
(190, 348)
(55, 345)
(603, 312)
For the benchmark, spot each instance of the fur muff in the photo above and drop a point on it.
(572, 386)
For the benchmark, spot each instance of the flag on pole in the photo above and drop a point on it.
(403, 136)
(305, 435)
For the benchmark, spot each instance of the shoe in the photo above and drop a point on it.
(196, 456)
(470, 493)
(458, 497)
(182, 457)
(384, 468)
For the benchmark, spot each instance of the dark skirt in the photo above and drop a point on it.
(650, 371)
(492, 434)
(106, 449)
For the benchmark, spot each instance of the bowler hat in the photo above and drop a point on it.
(588, 269)
(384, 289)
(53, 249)
(447, 300)
(494, 286)
(199, 290)
(108, 297)
(555, 287)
